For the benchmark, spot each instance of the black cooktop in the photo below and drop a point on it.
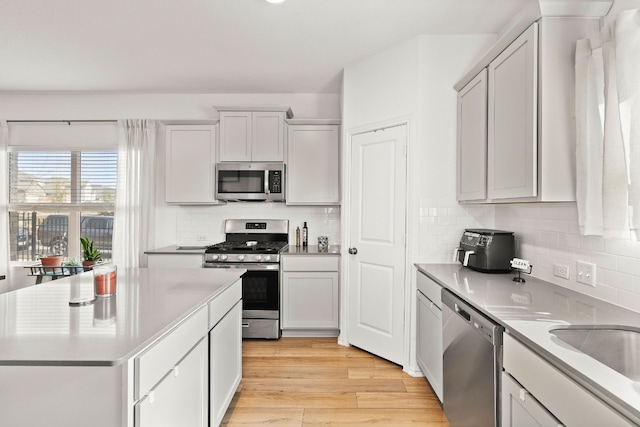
(249, 246)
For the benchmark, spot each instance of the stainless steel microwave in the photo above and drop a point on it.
(253, 181)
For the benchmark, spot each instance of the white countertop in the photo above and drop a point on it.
(174, 250)
(39, 327)
(528, 310)
(311, 250)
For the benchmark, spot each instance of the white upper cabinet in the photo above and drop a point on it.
(313, 165)
(190, 164)
(256, 136)
(530, 126)
(472, 139)
(512, 142)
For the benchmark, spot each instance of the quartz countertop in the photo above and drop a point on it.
(311, 250)
(178, 250)
(529, 310)
(39, 327)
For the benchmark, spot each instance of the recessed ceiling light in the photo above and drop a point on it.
(275, 1)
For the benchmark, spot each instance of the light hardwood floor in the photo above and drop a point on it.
(316, 382)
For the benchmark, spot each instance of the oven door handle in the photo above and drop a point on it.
(246, 266)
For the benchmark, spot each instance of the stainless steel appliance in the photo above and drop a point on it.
(472, 362)
(253, 181)
(489, 251)
(254, 245)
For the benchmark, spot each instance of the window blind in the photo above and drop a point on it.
(62, 178)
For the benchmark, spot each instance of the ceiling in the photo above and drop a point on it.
(216, 46)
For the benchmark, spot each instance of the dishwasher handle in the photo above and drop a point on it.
(461, 312)
(486, 327)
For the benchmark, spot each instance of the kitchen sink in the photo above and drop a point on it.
(618, 347)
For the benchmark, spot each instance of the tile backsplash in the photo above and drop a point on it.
(198, 225)
(442, 223)
(547, 234)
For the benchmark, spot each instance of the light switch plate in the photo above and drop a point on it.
(586, 273)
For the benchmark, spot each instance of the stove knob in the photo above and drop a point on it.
(215, 257)
(267, 258)
(258, 257)
(240, 257)
(223, 257)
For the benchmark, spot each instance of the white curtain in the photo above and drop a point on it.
(135, 195)
(608, 129)
(4, 216)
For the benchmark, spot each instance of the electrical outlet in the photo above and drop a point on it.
(202, 238)
(586, 273)
(561, 270)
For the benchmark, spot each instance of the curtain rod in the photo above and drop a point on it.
(62, 121)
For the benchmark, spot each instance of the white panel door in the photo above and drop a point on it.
(512, 130)
(377, 223)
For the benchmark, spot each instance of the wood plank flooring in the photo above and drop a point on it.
(316, 382)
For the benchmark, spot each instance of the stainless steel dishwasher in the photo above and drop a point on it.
(472, 361)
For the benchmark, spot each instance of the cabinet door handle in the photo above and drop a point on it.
(353, 251)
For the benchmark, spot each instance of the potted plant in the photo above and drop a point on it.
(90, 254)
(73, 266)
(50, 263)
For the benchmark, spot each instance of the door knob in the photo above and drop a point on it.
(353, 251)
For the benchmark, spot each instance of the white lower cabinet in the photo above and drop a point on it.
(174, 388)
(175, 261)
(520, 409)
(429, 332)
(225, 361)
(535, 393)
(180, 398)
(310, 290)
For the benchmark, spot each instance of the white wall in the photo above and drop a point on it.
(382, 87)
(109, 106)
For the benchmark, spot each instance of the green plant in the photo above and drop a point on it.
(89, 253)
(72, 262)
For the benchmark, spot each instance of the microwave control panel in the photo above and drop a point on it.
(275, 181)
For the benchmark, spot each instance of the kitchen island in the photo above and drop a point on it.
(105, 363)
(529, 311)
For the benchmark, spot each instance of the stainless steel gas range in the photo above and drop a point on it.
(254, 245)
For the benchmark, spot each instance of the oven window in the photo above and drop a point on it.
(260, 290)
(241, 181)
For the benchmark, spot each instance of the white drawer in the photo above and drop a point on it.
(224, 302)
(162, 356)
(310, 263)
(429, 288)
(560, 395)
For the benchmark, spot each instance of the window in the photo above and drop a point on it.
(58, 196)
